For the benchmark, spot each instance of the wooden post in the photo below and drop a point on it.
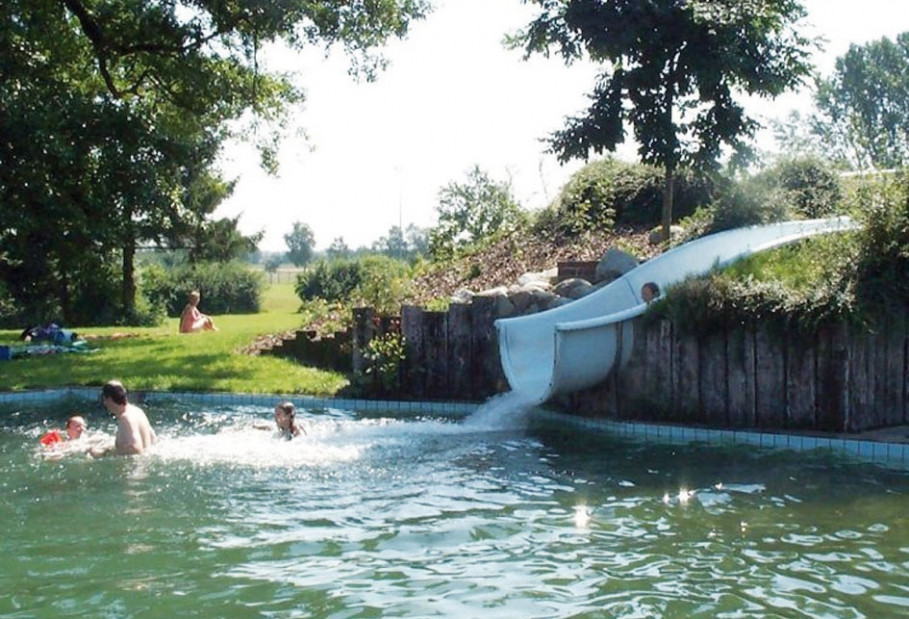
(712, 373)
(770, 381)
(413, 375)
(364, 327)
(833, 381)
(487, 376)
(459, 349)
(801, 389)
(685, 379)
(435, 354)
(740, 377)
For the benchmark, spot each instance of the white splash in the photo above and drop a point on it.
(504, 411)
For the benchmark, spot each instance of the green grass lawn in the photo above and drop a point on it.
(159, 358)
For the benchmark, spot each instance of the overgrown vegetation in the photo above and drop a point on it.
(607, 193)
(856, 277)
(374, 280)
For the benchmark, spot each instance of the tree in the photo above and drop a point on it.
(392, 245)
(338, 249)
(672, 70)
(472, 211)
(863, 109)
(300, 244)
(108, 111)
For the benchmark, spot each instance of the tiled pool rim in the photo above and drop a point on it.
(881, 452)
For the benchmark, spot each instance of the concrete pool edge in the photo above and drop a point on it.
(875, 450)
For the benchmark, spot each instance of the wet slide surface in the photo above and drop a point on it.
(577, 345)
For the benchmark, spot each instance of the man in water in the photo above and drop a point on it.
(134, 432)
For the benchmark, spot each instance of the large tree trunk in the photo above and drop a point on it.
(668, 185)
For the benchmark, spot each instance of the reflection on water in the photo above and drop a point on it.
(416, 517)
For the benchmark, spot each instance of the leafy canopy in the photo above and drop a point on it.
(862, 114)
(112, 114)
(672, 70)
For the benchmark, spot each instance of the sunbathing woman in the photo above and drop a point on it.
(192, 320)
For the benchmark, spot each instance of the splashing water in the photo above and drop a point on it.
(504, 411)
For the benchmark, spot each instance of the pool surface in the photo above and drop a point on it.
(416, 516)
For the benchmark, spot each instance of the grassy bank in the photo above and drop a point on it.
(159, 358)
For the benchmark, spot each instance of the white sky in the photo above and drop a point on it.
(376, 154)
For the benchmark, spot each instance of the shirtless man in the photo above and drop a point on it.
(134, 432)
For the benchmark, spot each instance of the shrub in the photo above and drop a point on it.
(883, 257)
(608, 192)
(375, 280)
(805, 187)
(226, 288)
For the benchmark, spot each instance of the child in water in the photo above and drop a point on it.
(286, 418)
(75, 428)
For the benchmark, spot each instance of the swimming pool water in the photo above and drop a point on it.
(372, 516)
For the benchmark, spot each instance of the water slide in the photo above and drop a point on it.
(575, 346)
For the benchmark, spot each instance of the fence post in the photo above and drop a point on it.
(364, 329)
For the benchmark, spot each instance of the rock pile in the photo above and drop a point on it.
(542, 290)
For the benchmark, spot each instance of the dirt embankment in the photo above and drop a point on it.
(502, 263)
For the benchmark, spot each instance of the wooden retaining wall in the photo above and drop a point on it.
(451, 355)
(845, 379)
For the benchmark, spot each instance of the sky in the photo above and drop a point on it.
(362, 157)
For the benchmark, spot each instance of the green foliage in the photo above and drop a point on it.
(882, 262)
(373, 280)
(160, 358)
(403, 245)
(863, 109)
(672, 71)
(226, 288)
(220, 240)
(744, 204)
(112, 116)
(803, 186)
(472, 212)
(609, 192)
(300, 244)
(852, 277)
(383, 356)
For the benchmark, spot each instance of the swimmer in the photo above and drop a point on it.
(135, 434)
(286, 418)
(75, 428)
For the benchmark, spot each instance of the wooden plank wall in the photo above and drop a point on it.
(845, 379)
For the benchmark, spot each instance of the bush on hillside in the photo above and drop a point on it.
(883, 257)
(226, 288)
(609, 193)
(374, 280)
(858, 278)
(803, 186)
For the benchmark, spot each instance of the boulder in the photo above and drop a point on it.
(656, 235)
(462, 295)
(613, 264)
(573, 288)
(539, 277)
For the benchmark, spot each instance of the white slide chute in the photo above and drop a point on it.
(575, 346)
